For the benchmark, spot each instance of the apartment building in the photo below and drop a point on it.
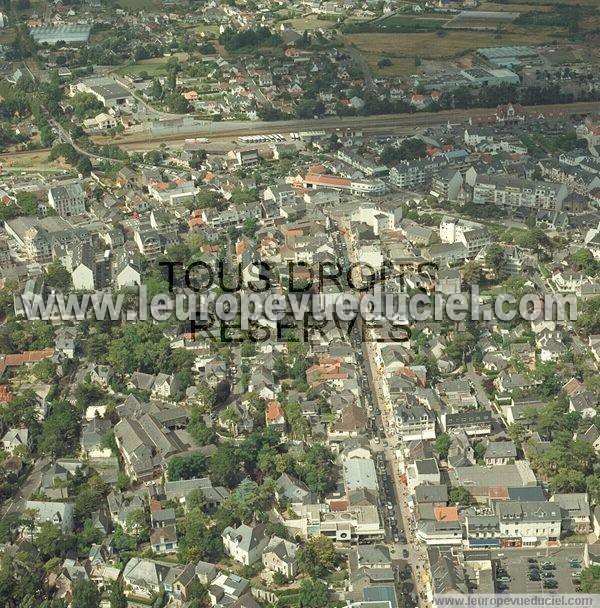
(512, 192)
(67, 199)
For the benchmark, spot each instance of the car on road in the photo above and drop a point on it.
(396, 538)
(532, 560)
(547, 564)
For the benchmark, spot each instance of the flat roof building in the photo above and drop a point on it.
(74, 33)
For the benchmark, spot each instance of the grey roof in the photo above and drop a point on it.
(516, 510)
(246, 537)
(501, 449)
(431, 493)
(359, 473)
(428, 466)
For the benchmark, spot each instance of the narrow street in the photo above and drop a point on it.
(370, 355)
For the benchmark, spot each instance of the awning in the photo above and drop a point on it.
(484, 542)
(530, 539)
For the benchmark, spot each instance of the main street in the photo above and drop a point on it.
(376, 388)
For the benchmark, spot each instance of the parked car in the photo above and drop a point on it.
(552, 584)
(405, 553)
(534, 576)
(548, 574)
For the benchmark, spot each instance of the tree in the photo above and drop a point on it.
(459, 495)
(57, 276)
(60, 431)
(588, 320)
(590, 579)
(472, 273)
(318, 470)
(85, 595)
(317, 557)
(313, 594)
(84, 166)
(442, 445)
(186, 467)
(198, 541)
(224, 466)
(117, 596)
(494, 259)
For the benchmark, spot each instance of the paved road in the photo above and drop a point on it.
(16, 504)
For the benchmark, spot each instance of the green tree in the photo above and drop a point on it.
(459, 495)
(198, 541)
(317, 557)
(186, 467)
(313, 594)
(85, 595)
(224, 466)
(117, 596)
(84, 166)
(442, 445)
(590, 579)
(60, 431)
(318, 470)
(494, 259)
(57, 276)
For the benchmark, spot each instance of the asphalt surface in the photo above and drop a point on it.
(515, 563)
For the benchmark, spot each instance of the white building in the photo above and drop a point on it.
(67, 199)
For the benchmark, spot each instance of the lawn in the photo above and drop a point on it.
(310, 23)
(154, 66)
(401, 21)
(429, 45)
(139, 5)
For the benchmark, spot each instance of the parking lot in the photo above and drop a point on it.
(518, 563)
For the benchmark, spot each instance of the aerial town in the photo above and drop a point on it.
(451, 147)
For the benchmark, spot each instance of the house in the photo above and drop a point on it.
(529, 523)
(83, 267)
(293, 491)
(591, 435)
(280, 556)
(576, 512)
(144, 444)
(127, 272)
(416, 422)
(500, 452)
(585, 402)
(472, 422)
(67, 199)
(180, 490)
(59, 514)
(245, 544)
(274, 416)
(164, 539)
(16, 439)
(144, 577)
(228, 590)
(160, 385)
